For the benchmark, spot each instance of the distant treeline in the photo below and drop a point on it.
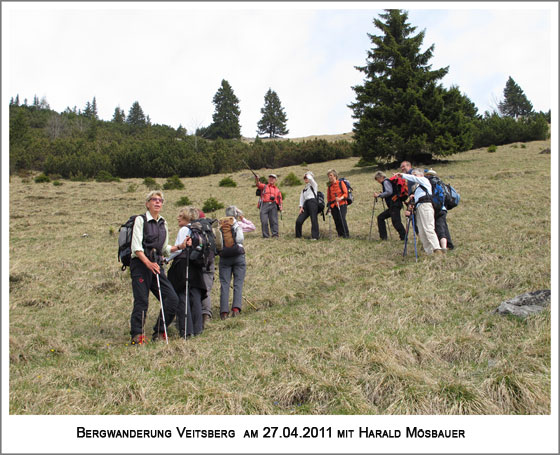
(74, 145)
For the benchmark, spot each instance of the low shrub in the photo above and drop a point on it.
(492, 149)
(183, 201)
(132, 188)
(173, 183)
(57, 183)
(42, 178)
(105, 176)
(151, 184)
(211, 205)
(227, 182)
(291, 180)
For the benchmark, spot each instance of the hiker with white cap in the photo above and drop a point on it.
(270, 203)
(308, 206)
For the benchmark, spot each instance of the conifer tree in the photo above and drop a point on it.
(225, 120)
(399, 108)
(136, 115)
(273, 121)
(94, 109)
(119, 115)
(515, 103)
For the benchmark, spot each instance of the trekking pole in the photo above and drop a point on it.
(246, 299)
(414, 232)
(385, 207)
(162, 314)
(371, 223)
(406, 237)
(187, 292)
(329, 213)
(341, 220)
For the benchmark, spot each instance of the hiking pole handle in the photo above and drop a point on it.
(249, 167)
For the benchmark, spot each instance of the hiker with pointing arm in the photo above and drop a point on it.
(270, 203)
(423, 209)
(150, 243)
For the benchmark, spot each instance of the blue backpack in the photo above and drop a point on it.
(443, 194)
(349, 188)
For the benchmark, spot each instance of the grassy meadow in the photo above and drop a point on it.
(342, 327)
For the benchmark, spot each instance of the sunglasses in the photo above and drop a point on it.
(157, 199)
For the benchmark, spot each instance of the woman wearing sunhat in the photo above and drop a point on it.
(308, 206)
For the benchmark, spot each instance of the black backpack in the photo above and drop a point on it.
(350, 197)
(203, 249)
(125, 241)
(320, 202)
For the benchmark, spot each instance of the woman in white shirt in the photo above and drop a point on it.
(308, 206)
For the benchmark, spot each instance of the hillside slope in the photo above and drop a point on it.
(343, 327)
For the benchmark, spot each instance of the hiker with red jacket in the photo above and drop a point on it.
(394, 206)
(337, 193)
(270, 203)
(150, 243)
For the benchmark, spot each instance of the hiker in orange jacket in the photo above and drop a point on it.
(270, 203)
(337, 193)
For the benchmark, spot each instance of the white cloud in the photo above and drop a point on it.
(172, 57)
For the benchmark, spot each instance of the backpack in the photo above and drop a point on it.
(320, 202)
(204, 248)
(227, 246)
(350, 197)
(452, 198)
(125, 241)
(439, 192)
(400, 188)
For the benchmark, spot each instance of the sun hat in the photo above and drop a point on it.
(431, 172)
(273, 175)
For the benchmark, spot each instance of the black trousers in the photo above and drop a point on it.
(442, 230)
(144, 281)
(310, 209)
(393, 212)
(339, 217)
(194, 312)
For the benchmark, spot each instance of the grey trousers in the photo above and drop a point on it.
(269, 214)
(236, 267)
(209, 282)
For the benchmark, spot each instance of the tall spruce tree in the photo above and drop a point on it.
(225, 120)
(399, 108)
(136, 115)
(273, 121)
(119, 115)
(515, 103)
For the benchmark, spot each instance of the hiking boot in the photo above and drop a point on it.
(205, 318)
(234, 312)
(223, 315)
(139, 339)
(438, 252)
(159, 336)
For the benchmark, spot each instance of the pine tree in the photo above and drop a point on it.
(515, 103)
(273, 121)
(119, 115)
(87, 112)
(399, 107)
(136, 115)
(94, 109)
(225, 120)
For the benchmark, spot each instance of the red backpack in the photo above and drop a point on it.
(400, 188)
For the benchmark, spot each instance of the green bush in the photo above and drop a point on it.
(211, 205)
(132, 188)
(173, 183)
(78, 177)
(492, 149)
(263, 179)
(183, 201)
(291, 180)
(57, 183)
(151, 184)
(42, 178)
(55, 176)
(104, 176)
(523, 146)
(228, 182)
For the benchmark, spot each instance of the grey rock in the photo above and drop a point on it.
(525, 304)
(545, 152)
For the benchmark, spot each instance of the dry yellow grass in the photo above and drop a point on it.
(344, 326)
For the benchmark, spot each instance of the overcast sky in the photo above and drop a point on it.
(172, 57)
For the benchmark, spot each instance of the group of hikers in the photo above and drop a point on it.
(184, 292)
